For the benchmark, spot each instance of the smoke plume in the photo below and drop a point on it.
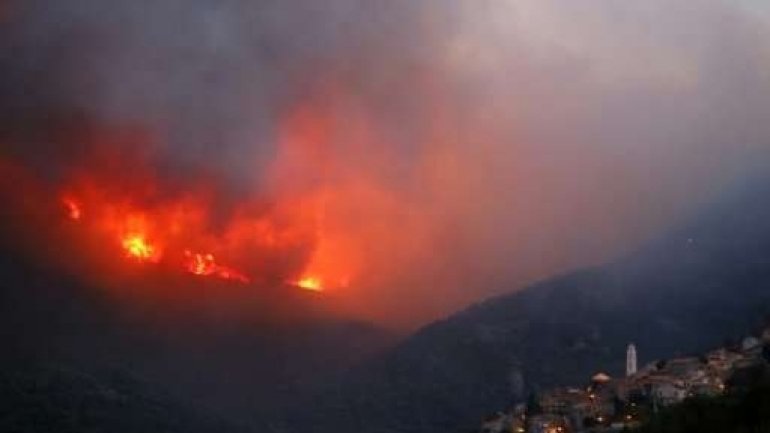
(411, 156)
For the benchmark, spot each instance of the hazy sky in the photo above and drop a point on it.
(461, 147)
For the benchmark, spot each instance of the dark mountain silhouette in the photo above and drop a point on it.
(45, 398)
(64, 341)
(700, 285)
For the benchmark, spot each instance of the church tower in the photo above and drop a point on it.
(631, 360)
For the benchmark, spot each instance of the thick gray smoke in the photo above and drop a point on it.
(466, 146)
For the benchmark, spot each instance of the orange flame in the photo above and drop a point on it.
(205, 265)
(310, 283)
(278, 235)
(73, 209)
(134, 229)
(137, 247)
(164, 232)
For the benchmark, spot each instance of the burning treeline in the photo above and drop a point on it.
(329, 210)
(118, 208)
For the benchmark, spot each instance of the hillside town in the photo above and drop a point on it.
(610, 404)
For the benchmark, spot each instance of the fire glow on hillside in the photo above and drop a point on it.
(181, 233)
(124, 210)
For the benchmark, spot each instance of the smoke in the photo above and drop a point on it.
(457, 148)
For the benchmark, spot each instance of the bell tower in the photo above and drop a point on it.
(631, 360)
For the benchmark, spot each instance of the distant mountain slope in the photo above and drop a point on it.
(703, 283)
(45, 398)
(242, 370)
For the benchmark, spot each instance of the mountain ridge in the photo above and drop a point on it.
(702, 282)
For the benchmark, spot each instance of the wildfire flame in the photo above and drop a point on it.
(310, 283)
(73, 209)
(176, 232)
(205, 265)
(132, 230)
(137, 247)
(143, 217)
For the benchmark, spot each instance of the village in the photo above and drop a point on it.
(610, 404)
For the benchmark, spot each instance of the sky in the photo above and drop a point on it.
(448, 150)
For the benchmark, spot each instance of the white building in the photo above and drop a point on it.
(631, 360)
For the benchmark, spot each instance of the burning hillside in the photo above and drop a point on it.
(253, 144)
(117, 210)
